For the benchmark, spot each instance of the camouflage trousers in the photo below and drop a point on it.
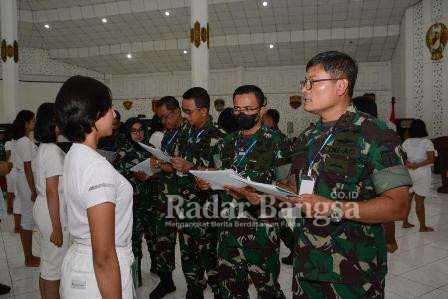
(143, 225)
(304, 289)
(198, 242)
(286, 234)
(249, 248)
(165, 244)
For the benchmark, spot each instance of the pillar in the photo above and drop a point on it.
(199, 43)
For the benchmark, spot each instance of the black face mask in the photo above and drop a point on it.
(246, 122)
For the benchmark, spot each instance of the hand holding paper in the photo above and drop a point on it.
(145, 167)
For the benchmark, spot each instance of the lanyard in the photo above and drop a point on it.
(245, 154)
(193, 142)
(312, 161)
(172, 139)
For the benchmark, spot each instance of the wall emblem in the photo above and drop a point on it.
(295, 101)
(436, 39)
(127, 104)
(219, 105)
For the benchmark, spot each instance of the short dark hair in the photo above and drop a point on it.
(117, 115)
(338, 65)
(80, 102)
(226, 120)
(44, 131)
(200, 96)
(417, 129)
(18, 125)
(170, 102)
(274, 114)
(251, 89)
(366, 105)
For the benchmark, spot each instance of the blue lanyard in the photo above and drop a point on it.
(245, 154)
(190, 145)
(310, 164)
(172, 139)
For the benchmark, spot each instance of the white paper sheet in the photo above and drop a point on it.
(219, 178)
(156, 152)
(266, 188)
(145, 167)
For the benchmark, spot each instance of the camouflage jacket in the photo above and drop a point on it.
(197, 147)
(128, 155)
(2, 151)
(362, 159)
(264, 157)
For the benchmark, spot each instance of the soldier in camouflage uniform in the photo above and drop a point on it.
(249, 242)
(168, 111)
(129, 155)
(360, 182)
(197, 235)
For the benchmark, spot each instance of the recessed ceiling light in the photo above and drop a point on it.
(271, 46)
(167, 13)
(185, 52)
(104, 20)
(47, 26)
(129, 56)
(265, 3)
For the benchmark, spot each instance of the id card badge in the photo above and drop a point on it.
(307, 184)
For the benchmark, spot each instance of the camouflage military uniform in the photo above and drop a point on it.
(361, 159)
(129, 155)
(197, 236)
(2, 151)
(166, 230)
(249, 244)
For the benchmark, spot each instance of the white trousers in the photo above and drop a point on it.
(78, 276)
(26, 204)
(51, 256)
(11, 180)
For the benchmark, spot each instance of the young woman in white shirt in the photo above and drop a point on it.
(25, 152)
(420, 155)
(11, 176)
(98, 198)
(49, 208)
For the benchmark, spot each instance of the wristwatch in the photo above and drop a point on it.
(337, 213)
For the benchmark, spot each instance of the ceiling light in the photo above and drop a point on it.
(129, 56)
(271, 46)
(185, 52)
(167, 13)
(47, 26)
(265, 3)
(104, 20)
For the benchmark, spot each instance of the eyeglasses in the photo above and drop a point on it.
(166, 116)
(245, 110)
(308, 83)
(136, 131)
(190, 111)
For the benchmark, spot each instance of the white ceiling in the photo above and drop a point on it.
(241, 31)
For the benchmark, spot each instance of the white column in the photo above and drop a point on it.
(10, 67)
(199, 46)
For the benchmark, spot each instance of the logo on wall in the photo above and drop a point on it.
(127, 104)
(295, 101)
(219, 105)
(436, 39)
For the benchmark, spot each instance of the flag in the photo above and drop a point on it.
(392, 118)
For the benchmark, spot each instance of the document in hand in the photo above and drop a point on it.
(145, 167)
(156, 152)
(266, 188)
(109, 155)
(219, 178)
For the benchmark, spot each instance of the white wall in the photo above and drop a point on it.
(416, 77)
(41, 77)
(278, 83)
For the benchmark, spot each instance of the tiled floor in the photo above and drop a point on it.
(418, 269)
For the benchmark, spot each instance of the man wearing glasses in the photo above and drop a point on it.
(349, 172)
(193, 150)
(249, 242)
(168, 111)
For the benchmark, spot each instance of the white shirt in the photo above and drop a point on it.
(9, 146)
(416, 149)
(49, 163)
(26, 151)
(90, 180)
